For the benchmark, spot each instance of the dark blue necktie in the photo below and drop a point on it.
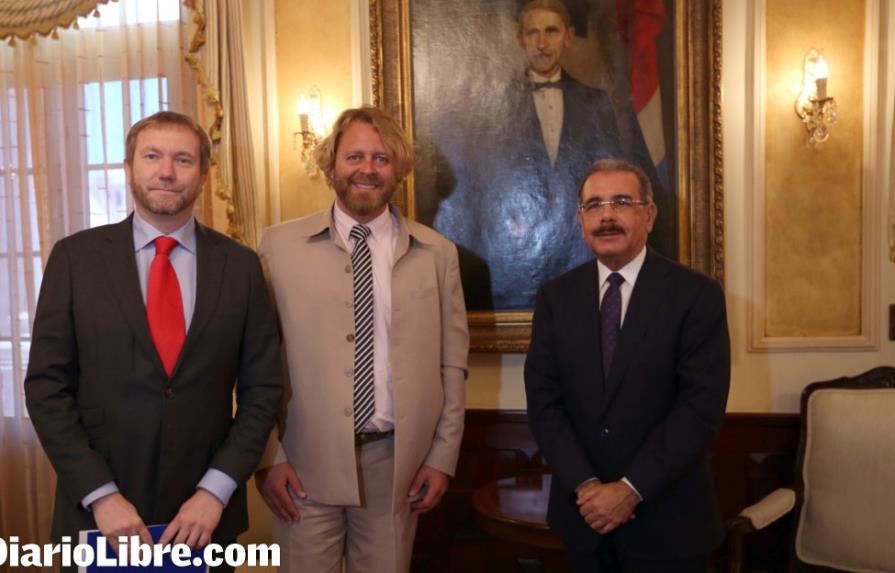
(610, 319)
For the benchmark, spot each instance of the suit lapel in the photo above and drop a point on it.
(643, 310)
(532, 140)
(121, 268)
(588, 296)
(210, 263)
(567, 141)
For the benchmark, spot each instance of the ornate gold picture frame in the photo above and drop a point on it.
(698, 180)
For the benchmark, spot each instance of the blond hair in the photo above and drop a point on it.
(393, 137)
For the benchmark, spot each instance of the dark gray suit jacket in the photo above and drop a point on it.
(650, 420)
(101, 402)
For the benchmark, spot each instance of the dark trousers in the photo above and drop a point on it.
(608, 558)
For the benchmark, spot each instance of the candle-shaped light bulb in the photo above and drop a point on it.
(820, 81)
(302, 108)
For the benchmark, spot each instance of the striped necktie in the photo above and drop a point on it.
(362, 270)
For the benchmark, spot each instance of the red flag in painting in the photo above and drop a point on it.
(640, 22)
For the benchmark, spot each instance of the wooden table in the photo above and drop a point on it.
(515, 509)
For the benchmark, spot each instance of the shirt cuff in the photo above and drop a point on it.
(630, 485)
(101, 491)
(218, 484)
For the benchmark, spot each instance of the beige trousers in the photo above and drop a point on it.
(372, 538)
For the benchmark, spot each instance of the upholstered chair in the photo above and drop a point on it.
(844, 487)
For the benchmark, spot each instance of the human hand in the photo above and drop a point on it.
(195, 522)
(116, 516)
(432, 484)
(605, 506)
(274, 483)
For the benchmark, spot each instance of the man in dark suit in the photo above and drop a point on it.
(142, 331)
(626, 379)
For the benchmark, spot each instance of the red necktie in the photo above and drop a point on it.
(164, 305)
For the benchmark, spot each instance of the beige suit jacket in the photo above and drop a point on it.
(309, 269)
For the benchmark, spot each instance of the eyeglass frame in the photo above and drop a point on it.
(616, 204)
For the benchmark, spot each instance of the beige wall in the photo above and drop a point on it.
(313, 46)
(824, 192)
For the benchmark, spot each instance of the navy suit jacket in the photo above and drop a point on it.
(99, 398)
(650, 420)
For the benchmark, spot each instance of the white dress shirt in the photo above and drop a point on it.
(382, 242)
(549, 107)
(628, 272)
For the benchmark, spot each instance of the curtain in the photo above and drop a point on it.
(891, 187)
(237, 70)
(65, 106)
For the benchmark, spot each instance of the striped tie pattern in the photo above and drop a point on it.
(610, 320)
(362, 269)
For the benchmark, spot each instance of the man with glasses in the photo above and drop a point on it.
(626, 379)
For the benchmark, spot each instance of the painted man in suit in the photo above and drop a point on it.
(626, 380)
(143, 330)
(549, 129)
(373, 426)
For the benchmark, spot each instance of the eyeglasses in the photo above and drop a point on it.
(618, 205)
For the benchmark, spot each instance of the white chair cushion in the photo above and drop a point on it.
(849, 475)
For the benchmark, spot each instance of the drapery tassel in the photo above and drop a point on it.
(55, 34)
(96, 13)
(12, 42)
(74, 25)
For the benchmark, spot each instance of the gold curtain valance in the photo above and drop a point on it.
(23, 18)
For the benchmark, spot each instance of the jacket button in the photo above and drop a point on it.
(347, 268)
(350, 338)
(349, 372)
(347, 412)
(169, 393)
(604, 432)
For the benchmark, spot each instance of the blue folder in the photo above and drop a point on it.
(90, 537)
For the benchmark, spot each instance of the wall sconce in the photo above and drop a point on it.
(816, 110)
(310, 121)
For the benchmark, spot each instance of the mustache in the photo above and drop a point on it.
(366, 179)
(607, 229)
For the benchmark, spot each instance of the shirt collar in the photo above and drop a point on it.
(145, 233)
(536, 78)
(629, 272)
(381, 228)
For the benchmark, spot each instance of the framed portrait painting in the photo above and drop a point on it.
(510, 101)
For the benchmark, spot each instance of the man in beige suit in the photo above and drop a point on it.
(374, 327)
